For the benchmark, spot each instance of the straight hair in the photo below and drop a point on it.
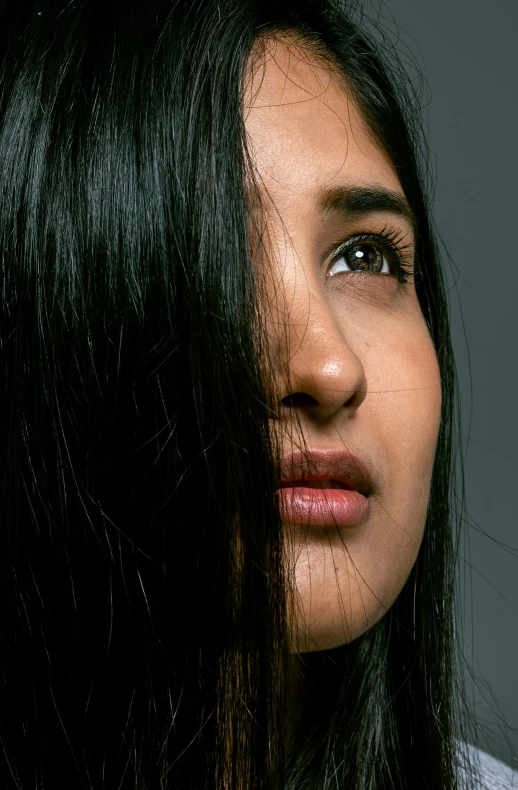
(143, 621)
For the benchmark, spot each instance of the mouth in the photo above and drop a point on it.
(323, 484)
(324, 488)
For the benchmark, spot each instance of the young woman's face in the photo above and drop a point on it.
(357, 375)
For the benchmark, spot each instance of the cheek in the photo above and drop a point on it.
(404, 389)
(410, 409)
(404, 412)
(403, 404)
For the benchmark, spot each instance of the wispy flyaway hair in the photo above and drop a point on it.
(143, 607)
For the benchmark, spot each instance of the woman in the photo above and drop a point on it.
(227, 408)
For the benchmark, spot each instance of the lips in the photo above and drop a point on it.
(324, 488)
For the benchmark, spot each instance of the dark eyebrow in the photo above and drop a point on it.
(357, 201)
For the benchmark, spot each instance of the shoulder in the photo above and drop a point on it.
(492, 774)
(496, 774)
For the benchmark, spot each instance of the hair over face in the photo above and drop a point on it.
(143, 617)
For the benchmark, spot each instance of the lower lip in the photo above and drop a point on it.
(323, 507)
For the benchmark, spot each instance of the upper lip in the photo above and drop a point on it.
(339, 466)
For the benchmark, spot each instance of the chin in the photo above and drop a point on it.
(338, 622)
(312, 643)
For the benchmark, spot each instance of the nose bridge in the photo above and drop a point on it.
(322, 373)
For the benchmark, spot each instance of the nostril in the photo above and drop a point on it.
(299, 400)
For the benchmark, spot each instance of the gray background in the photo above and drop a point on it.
(469, 53)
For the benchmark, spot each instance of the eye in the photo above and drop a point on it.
(390, 252)
(361, 258)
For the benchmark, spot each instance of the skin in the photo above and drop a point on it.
(353, 349)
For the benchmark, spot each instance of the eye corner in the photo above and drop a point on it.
(336, 260)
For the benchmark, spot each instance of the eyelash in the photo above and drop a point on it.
(390, 243)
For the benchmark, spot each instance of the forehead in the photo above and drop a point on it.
(304, 129)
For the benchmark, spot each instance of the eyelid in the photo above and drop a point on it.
(388, 234)
(365, 227)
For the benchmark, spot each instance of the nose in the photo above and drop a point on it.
(323, 379)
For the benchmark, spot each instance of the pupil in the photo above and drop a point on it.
(365, 258)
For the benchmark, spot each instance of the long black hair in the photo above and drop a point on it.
(143, 606)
